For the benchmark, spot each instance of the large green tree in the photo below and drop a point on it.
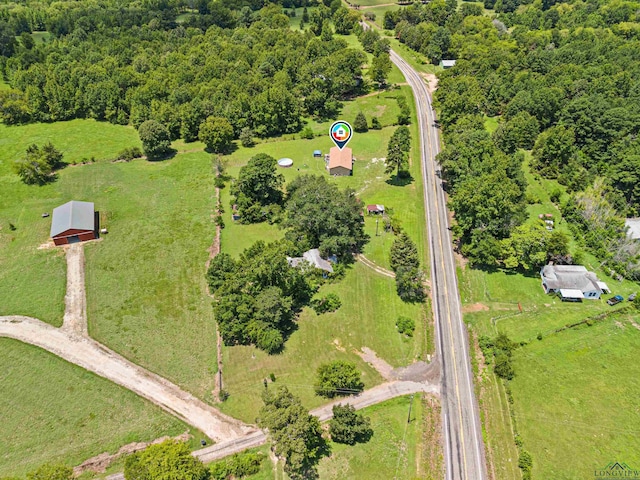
(165, 461)
(295, 434)
(398, 151)
(258, 296)
(338, 378)
(258, 186)
(155, 139)
(320, 215)
(349, 427)
(216, 133)
(553, 150)
(38, 165)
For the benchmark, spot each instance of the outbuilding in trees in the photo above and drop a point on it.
(73, 222)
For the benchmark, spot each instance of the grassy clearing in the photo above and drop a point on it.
(145, 280)
(32, 281)
(41, 37)
(392, 452)
(583, 386)
(73, 416)
(491, 123)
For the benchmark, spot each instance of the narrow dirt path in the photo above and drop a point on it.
(75, 312)
(97, 358)
(373, 266)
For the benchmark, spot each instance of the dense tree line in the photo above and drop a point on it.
(563, 78)
(253, 70)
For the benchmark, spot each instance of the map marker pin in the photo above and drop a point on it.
(340, 133)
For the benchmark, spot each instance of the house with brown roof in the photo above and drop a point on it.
(340, 161)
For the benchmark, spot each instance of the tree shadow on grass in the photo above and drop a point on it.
(399, 181)
(227, 151)
(168, 155)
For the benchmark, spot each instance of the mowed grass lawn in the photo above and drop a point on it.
(576, 399)
(53, 411)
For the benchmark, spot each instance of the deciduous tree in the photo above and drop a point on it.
(295, 434)
(216, 133)
(155, 139)
(338, 378)
(349, 427)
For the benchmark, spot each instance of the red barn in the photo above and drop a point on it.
(73, 222)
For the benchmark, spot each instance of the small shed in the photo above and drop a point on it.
(340, 161)
(447, 63)
(317, 153)
(375, 209)
(73, 222)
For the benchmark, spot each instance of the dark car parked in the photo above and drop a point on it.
(615, 300)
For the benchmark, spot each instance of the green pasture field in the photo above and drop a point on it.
(32, 281)
(493, 300)
(392, 452)
(582, 385)
(57, 412)
(146, 292)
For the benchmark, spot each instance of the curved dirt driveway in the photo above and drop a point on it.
(97, 358)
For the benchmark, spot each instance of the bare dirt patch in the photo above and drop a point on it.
(634, 324)
(100, 463)
(382, 367)
(336, 343)
(432, 82)
(476, 307)
(75, 312)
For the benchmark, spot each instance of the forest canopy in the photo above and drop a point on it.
(126, 65)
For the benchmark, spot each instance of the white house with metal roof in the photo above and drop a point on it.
(572, 282)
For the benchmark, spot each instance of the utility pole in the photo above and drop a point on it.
(410, 405)
(377, 220)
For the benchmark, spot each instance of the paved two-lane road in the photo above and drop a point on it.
(463, 447)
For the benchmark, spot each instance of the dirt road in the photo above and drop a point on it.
(97, 358)
(75, 312)
(367, 398)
